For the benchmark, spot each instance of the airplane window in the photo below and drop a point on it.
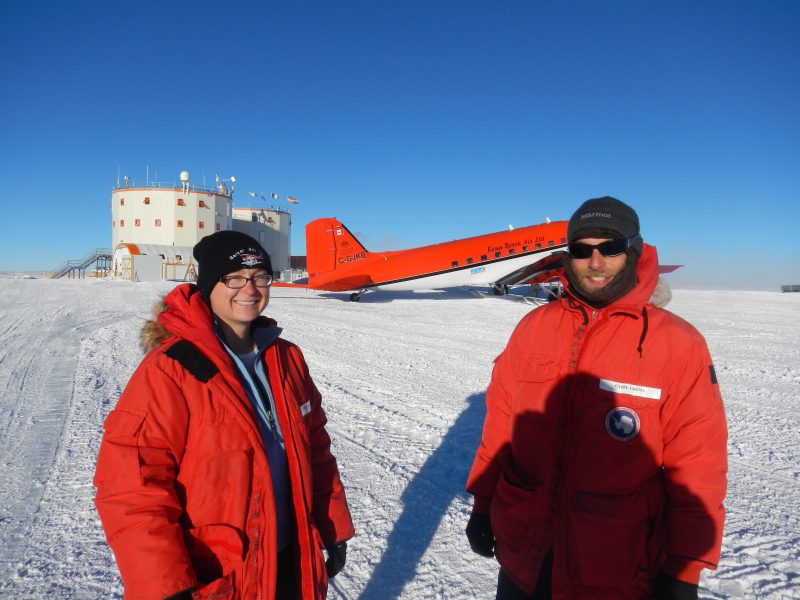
(524, 248)
(454, 263)
(538, 246)
(469, 261)
(497, 254)
(551, 243)
(563, 240)
(483, 257)
(512, 251)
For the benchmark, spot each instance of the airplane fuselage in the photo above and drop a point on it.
(337, 261)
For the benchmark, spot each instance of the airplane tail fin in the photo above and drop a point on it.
(329, 247)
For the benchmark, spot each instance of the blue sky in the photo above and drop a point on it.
(414, 121)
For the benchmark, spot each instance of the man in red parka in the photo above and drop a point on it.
(602, 467)
(215, 477)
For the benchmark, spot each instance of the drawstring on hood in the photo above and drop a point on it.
(644, 330)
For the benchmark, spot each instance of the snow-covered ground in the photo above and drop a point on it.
(403, 378)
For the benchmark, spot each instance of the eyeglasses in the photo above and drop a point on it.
(607, 249)
(237, 282)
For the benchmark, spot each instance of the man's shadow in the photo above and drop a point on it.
(592, 455)
(426, 501)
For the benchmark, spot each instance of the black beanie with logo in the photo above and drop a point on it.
(224, 252)
(605, 217)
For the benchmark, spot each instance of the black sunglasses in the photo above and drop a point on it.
(607, 249)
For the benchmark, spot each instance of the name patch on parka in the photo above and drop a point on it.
(631, 389)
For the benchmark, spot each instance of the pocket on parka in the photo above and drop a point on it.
(215, 550)
(118, 459)
(223, 588)
(514, 512)
(607, 538)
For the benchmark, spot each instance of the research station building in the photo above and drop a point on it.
(155, 226)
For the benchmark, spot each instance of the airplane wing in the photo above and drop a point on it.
(551, 267)
(541, 270)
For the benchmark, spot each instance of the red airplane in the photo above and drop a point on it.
(337, 261)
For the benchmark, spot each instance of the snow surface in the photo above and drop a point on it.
(403, 378)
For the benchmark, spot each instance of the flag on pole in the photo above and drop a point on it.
(275, 196)
(292, 200)
(252, 194)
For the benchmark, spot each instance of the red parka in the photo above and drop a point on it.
(183, 483)
(605, 443)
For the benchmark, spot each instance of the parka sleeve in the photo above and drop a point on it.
(136, 498)
(494, 449)
(329, 506)
(695, 465)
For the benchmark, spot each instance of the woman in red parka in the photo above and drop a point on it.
(215, 477)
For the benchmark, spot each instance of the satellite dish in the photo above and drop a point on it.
(184, 176)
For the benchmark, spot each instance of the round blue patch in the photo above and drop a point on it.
(623, 423)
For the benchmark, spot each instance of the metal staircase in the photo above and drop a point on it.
(76, 269)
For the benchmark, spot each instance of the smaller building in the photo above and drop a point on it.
(153, 262)
(271, 227)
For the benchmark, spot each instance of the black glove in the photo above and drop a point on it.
(337, 554)
(666, 587)
(479, 534)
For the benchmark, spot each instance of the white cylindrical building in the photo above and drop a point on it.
(168, 214)
(158, 222)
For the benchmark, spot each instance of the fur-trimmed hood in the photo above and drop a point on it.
(153, 333)
(184, 313)
(662, 295)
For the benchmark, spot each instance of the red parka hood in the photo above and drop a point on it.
(184, 313)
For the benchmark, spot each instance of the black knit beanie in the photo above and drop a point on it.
(605, 217)
(224, 252)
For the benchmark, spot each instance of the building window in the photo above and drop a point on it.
(113, 224)
(180, 222)
(217, 227)
(202, 204)
(180, 258)
(137, 223)
(122, 222)
(146, 200)
(158, 222)
(181, 202)
(122, 201)
(202, 224)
